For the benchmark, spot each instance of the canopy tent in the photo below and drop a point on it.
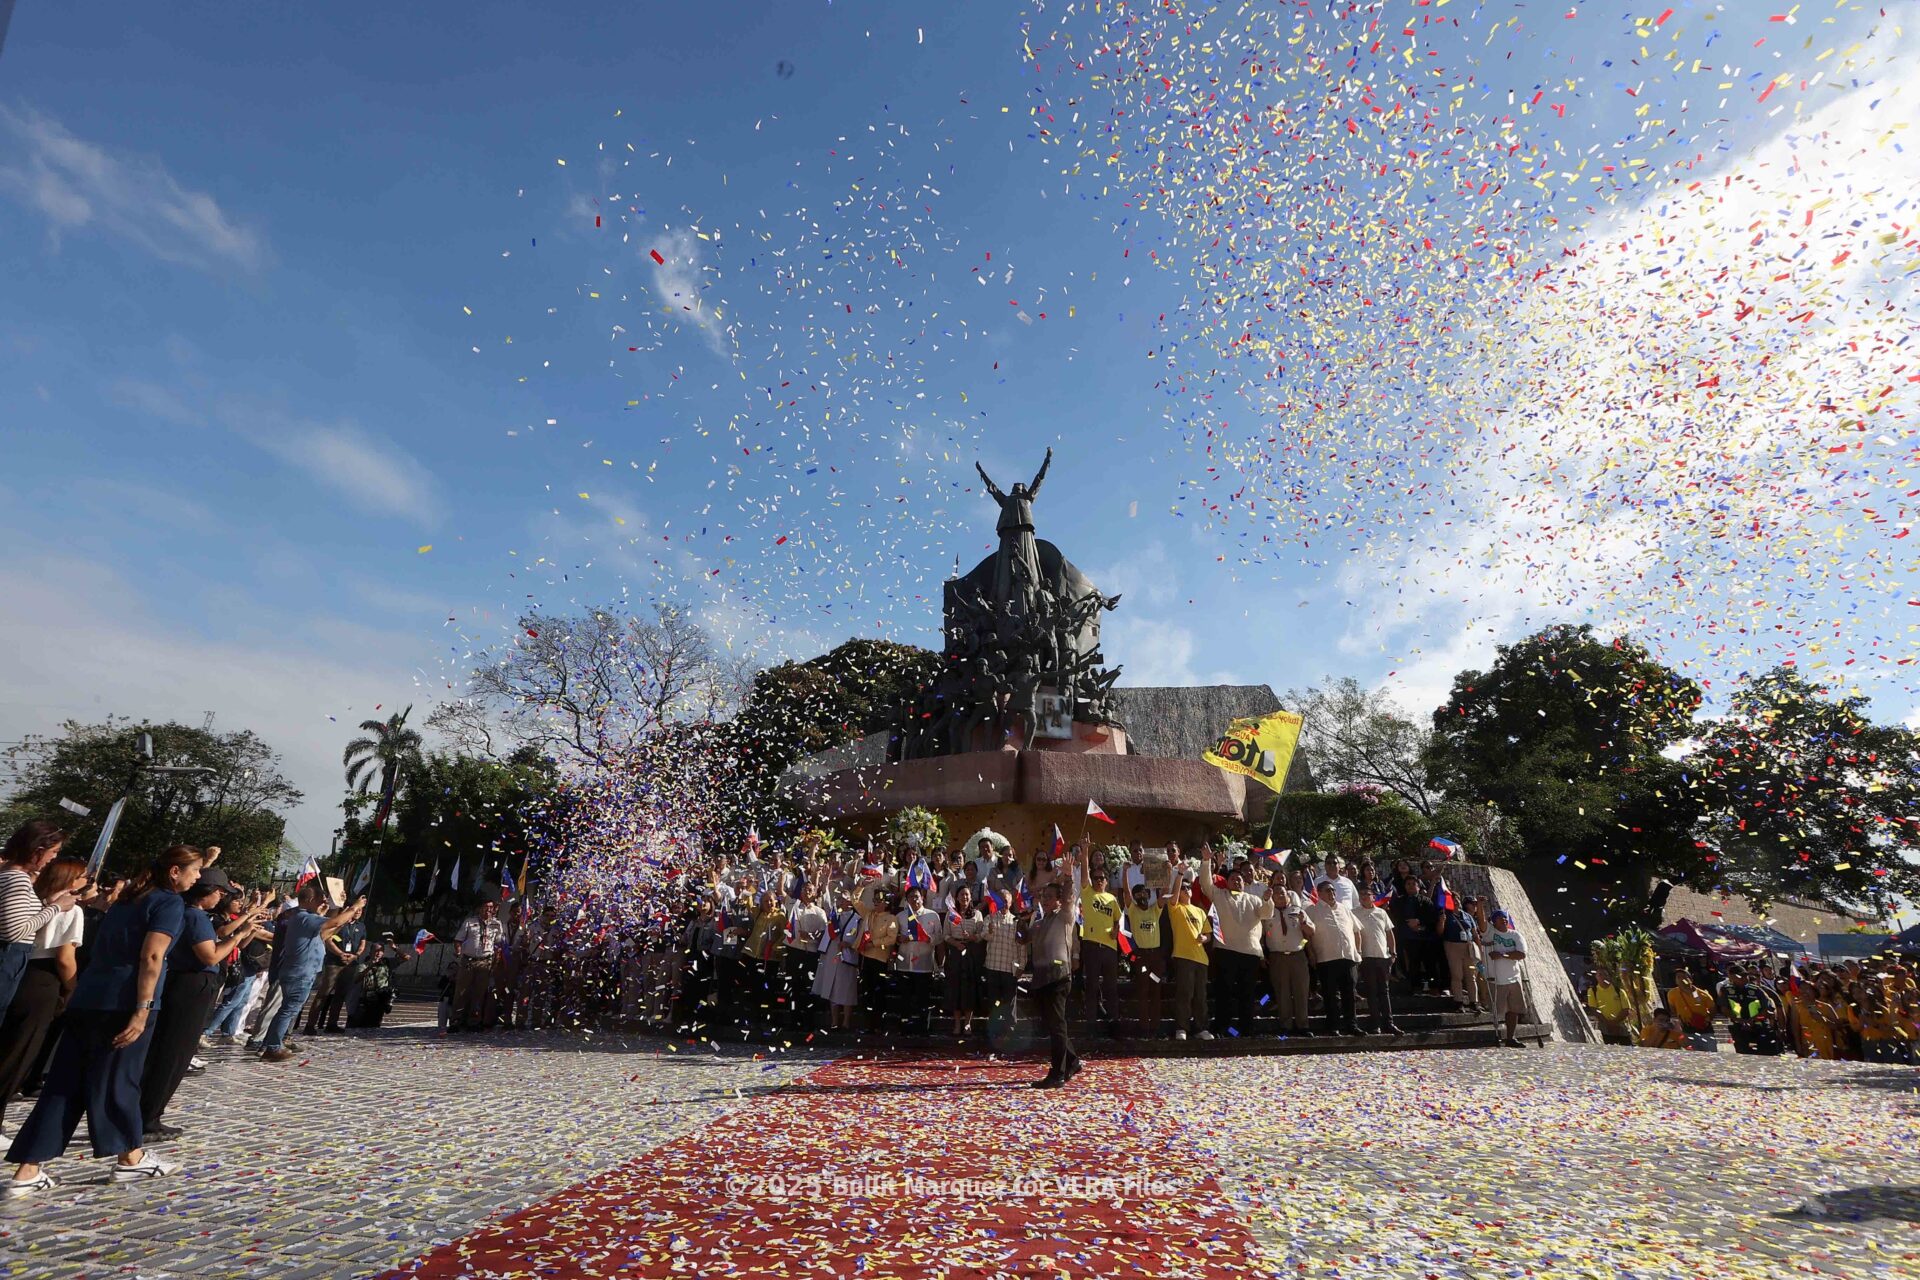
(1684, 937)
(1772, 939)
(1906, 942)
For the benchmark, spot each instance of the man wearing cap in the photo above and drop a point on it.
(1335, 947)
(1504, 951)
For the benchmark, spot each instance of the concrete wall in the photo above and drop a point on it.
(1551, 997)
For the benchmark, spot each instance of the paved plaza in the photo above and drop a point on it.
(408, 1154)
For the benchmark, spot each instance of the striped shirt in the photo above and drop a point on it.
(21, 912)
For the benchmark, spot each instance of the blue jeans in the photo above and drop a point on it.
(227, 1019)
(13, 963)
(294, 989)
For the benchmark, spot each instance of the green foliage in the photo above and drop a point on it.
(1565, 735)
(1360, 822)
(452, 807)
(1351, 736)
(241, 806)
(374, 761)
(1809, 796)
(799, 708)
(915, 822)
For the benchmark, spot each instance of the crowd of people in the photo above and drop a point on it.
(1859, 1009)
(906, 941)
(111, 987)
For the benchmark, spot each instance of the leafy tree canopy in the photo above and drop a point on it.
(1809, 796)
(1569, 736)
(1352, 736)
(241, 805)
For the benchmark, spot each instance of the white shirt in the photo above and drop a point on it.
(809, 926)
(1240, 916)
(1501, 969)
(69, 926)
(479, 938)
(915, 956)
(1332, 932)
(1282, 929)
(1343, 892)
(1376, 933)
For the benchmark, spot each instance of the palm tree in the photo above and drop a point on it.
(389, 748)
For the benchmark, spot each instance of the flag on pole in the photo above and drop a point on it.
(455, 884)
(520, 885)
(1260, 748)
(1125, 936)
(920, 876)
(1095, 811)
(366, 874)
(1443, 897)
(309, 870)
(1059, 845)
(385, 809)
(420, 941)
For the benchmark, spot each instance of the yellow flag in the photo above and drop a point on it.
(1262, 749)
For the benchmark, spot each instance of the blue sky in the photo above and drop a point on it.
(293, 296)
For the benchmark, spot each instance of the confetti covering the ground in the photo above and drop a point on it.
(1579, 1161)
(525, 1155)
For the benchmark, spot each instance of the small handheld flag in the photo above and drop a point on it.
(420, 941)
(309, 870)
(1125, 936)
(1095, 811)
(916, 930)
(1443, 897)
(1446, 846)
(1059, 845)
(920, 876)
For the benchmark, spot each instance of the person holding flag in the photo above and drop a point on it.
(963, 947)
(800, 959)
(1148, 959)
(877, 942)
(913, 959)
(1006, 955)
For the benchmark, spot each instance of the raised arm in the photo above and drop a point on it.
(1033, 490)
(992, 488)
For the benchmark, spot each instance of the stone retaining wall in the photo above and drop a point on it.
(1551, 997)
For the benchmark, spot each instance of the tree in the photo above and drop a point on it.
(241, 805)
(1809, 796)
(1352, 736)
(1567, 735)
(390, 748)
(454, 808)
(592, 687)
(800, 708)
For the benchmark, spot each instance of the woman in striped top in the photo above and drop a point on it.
(22, 913)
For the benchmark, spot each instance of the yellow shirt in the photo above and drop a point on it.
(1608, 1001)
(1817, 1021)
(769, 933)
(1099, 916)
(1652, 1037)
(1693, 1006)
(883, 936)
(1145, 923)
(1188, 924)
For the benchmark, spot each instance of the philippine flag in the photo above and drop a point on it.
(1095, 811)
(309, 871)
(1059, 845)
(420, 941)
(920, 876)
(1125, 936)
(916, 930)
(1445, 846)
(1443, 897)
(996, 902)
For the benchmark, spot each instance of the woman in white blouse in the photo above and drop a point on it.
(51, 968)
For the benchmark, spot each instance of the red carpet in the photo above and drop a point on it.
(956, 1168)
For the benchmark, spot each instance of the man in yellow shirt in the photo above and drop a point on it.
(1610, 1007)
(1187, 969)
(1692, 1006)
(1663, 1032)
(1099, 946)
(1149, 959)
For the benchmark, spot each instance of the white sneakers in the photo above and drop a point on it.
(149, 1166)
(27, 1186)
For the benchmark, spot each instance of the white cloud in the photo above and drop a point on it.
(1150, 651)
(372, 474)
(80, 644)
(155, 401)
(77, 185)
(677, 284)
